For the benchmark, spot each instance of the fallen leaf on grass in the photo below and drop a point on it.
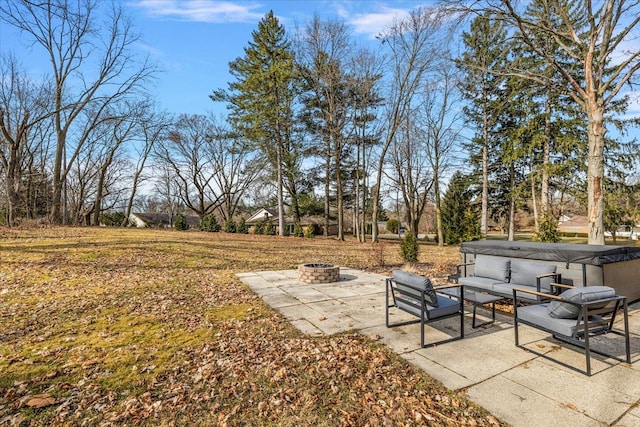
(40, 401)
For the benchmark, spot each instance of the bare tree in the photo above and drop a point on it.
(442, 128)
(366, 71)
(187, 153)
(23, 106)
(75, 41)
(122, 123)
(602, 38)
(237, 167)
(412, 174)
(151, 128)
(411, 44)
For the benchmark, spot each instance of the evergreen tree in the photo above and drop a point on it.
(297, 231)
(209, 223)
(459, 219)
(261, 100)
(310, 231)
(242, 226)
(484, 50)
(230, 226)
(409, 248)
(181, 223)
(270, 228)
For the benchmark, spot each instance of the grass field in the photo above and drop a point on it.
(148, 327)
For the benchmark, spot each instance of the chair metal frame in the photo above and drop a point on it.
(414, 301)
(593, 319)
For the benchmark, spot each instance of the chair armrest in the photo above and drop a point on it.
(562, 285)
(542, 276)
(447, 286)
(542, 294)
(459, 266)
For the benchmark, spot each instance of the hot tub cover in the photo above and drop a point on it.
(560, 252)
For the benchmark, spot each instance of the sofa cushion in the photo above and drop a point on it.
(538, 314)
(525, 272)
(563, 310)
(416, 280)
(481, 283)
(506, 290)
(492, 267)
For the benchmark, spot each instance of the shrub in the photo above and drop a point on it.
(230, 226)
(297, 230)
(409, 248)
(209, 223)
(112, 219)
(180, 223)
(270, 228)
(377, 253)
(547, 231)
(259, 228)
(242, 227)
(310, 232)
(393, 225)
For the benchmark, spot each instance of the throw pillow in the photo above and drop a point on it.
(562, 310)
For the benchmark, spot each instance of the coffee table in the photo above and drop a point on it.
(476, 298)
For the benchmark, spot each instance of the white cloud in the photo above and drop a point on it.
(375, 22)
(212, 11)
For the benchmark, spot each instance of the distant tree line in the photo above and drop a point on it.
(513, 121)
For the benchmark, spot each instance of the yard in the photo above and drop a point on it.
(127, 327)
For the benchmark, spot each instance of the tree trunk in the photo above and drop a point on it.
(512, 204)
(546, 154)
(327, 189)
(439, 227)
(339, 195)
(485, 178)
(595, 171)
(280, 193)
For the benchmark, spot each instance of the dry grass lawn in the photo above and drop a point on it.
(149, 327)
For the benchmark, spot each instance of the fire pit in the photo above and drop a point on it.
(318, 273)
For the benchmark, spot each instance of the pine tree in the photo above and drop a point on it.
(261, 99)
(459, 220)
(181, 223)
(484, 50)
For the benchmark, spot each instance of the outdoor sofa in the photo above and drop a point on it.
(499, 276)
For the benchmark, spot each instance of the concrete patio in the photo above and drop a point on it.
(515, 385)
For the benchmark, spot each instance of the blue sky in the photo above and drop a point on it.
(194, 40)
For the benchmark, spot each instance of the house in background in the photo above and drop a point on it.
(577, 224)
(264, 215)
(141, 220)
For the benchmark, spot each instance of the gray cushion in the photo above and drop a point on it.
(492, 267)
(562, 310)
(525, 272)
(416, 280)
(506, 290)
(481, 283)
(538, 314)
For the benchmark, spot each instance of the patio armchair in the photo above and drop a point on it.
(414, 294)
(574, 316)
